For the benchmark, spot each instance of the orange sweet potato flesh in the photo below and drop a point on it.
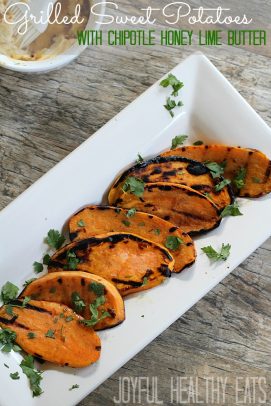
(175, 169)
(186, 208)
(58, 287)
(257, 165)
(73, 344)
(95, 220)
(130, 262)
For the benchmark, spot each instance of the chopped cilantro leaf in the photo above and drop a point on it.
(131, 213)
(145, 281)
(173, 243)
(54, 239)
(72, 261)
(97, 288)
(74, 387)
(256, 180)
(222, 184)
(217, 170)
(52, 290)
(29, 281)
(81, 223)
(198, 143)
(32, 374)
(93, 307)
(139, 160)
(31, 335)
(126, 223)
(38, 267)
(68, 319)
(231, 210)
(157, 231)
(134, 186)
(172, 81)
(9, 292)
(46, 259)
(178, 140)
(77, 302)
(7, 341)
(171, 104)
(217, 256)
(26, 300)
(50, 334)
(239, 180)
(15, 376)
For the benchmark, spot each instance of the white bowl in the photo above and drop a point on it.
(58, 61)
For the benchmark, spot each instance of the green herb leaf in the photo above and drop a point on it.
(217, 170)
(126, 223)
(32, 374)
(222, 184)
(157, 231)
(77, 302)
(145, 281)
(81, 223)
(74, 387)
(15, 376)
(231, 210)
(198, 143)
(26, 300)
(68, 319)
(94, 312)
(31, 335)
(131, 213)
(178, 140)
(97, 288)
(52, 290)
(217, 256)
(134, 186)
(38, 267)
(139, 160)
(239, 180)
(72, 261)
(50, 334)
(46, 259)
(7, 341)
(173, 243)
(172, 81)
(29, 281)
(256, 180)
(9, 310)
(9, 292)
(54, 239)
(171, 104)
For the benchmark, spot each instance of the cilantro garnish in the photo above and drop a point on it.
(68, 319)
(26, 300)
(32, 374)
(139, 160)
(171, 104)
(222, 184)
(9, 292)
(173, 243)
(217, 170)
(256, 180)
(231, 210)
(15, 376)
(97, 288)
(157, 231)
(54, 239)
(31, 335)
(131, 213)
(81, 223)
(77, 302)
(178, 140)
(74, 387)
(50, 334)
(145, 281)
(7, 341)
(46, 259)
(172, 81)
(217, 256)
(72, 261)
(239, 180)
(93, 307)
(198, 143)
(52, 290)
(134, 186)
(126, 223)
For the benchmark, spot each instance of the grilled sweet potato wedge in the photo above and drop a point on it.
(128, 261)
(175, 169)
(95, 220)
(186, 208)
(256, 164)
(57, 334)
(60, 287)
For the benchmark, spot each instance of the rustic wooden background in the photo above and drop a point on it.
(44, 117)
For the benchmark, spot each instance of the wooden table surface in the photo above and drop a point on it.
(44, 117)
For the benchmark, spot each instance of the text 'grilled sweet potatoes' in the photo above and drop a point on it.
(95, 220)
(130, 262)
(52, 332)
(175, 169)
(66, 287)
(255, 165)
(186, 208)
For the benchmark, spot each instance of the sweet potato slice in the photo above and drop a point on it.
(186, 208)
(95, 220)
(60, 287)
(256, 164)
(175, 169)
(57, 334)
(130, 262)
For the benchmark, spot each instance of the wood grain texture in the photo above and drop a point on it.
(44, 117)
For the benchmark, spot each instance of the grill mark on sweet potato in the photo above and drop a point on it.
(133, 284)
(13, 322)
(73, 235)
(165, 271)
(19, 303)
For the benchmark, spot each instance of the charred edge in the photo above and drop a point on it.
(185, 266)
(195, 168)
(204, 231)
(112, 313)
(83, 282)
(133, 284)
(98, 348)
(29, 306)
(173, 229)
(73, 235)
(165, 271)
(55, 264)
(202, 188)
(231, 194)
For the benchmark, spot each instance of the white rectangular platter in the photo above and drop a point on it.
(213, 111)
